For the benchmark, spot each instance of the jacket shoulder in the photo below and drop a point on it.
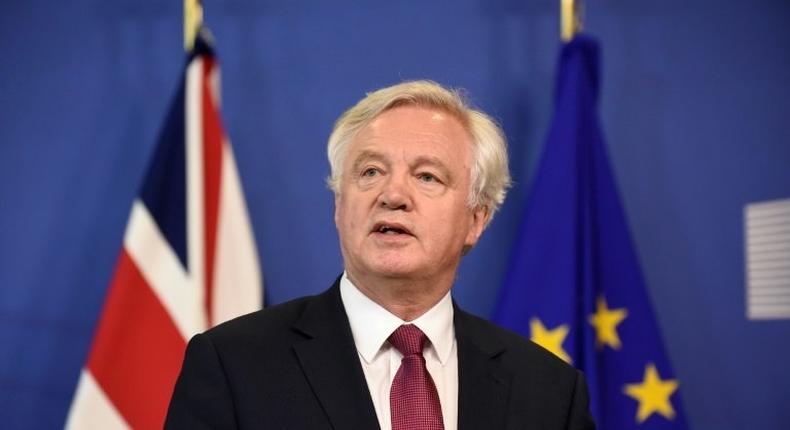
(518, 351)
(263, 326)
(550, 392)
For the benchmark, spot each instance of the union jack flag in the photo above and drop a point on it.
(188, 262)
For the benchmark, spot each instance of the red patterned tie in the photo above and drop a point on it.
(414, 402)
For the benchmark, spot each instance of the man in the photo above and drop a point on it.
(417, 175)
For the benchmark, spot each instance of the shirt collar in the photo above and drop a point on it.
(371, 324)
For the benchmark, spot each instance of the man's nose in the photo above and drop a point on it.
(395, 194)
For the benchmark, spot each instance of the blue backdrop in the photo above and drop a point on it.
(695, 103)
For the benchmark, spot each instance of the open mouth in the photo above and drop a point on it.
(390, 229)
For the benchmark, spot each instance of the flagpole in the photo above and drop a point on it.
(193, 19)
(570, 19)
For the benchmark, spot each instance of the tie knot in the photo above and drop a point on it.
(408, 339)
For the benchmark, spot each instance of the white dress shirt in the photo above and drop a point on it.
(371, 325)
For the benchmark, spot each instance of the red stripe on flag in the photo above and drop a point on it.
(212, 169)
(137, 351)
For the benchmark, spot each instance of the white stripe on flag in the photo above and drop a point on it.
(194, 175)
(238, 285)
(214, 86)
(91, 409)
(161, 268)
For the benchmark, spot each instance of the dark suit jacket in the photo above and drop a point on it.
(295, 366)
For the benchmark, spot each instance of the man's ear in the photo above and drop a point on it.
(337, 205)
(480, 216)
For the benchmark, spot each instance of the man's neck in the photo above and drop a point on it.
(408, 299)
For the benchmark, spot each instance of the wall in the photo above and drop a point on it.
(695, 104)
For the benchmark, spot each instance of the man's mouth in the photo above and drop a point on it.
(390, 229)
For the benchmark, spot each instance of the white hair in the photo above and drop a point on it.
(490, 177)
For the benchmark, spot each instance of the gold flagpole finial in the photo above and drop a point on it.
(193, 19)
(570, 18)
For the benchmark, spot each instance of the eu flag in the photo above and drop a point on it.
(574, 284)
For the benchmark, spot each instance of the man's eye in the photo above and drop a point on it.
(370, 172)
(427, 177)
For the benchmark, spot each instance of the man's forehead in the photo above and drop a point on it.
(427, 152)
(402, 113)
(373, 154)
(414, 124)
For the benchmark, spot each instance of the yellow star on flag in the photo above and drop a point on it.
(605, 321)
(652, 394)
(550, 339)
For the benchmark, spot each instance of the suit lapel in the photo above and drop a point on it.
(483, 385)
(330, 363)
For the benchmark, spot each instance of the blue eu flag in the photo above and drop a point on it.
(574, 284)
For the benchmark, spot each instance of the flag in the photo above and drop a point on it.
(188, 261)
(574, 284)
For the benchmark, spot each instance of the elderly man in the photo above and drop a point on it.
(417, 176)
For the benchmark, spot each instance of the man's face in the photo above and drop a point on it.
(401, 211)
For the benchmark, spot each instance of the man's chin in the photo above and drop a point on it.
(394, 271)
(392, 268)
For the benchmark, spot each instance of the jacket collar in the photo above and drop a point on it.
(483, 384)
(331, 365)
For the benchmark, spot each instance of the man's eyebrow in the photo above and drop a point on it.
(367, 155)
(436, 162)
